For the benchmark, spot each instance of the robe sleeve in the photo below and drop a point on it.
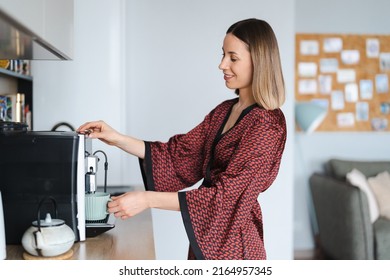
(215, 217)
(178, 163)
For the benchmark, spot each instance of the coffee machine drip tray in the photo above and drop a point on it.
(94, 228)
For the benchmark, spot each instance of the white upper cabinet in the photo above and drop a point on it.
(46, 27)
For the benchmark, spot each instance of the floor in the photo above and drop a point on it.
(315, 254)
(305, 255)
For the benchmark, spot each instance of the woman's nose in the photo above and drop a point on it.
(222, 65)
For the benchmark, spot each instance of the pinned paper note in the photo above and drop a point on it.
(372, 48)
(351, 92)
(385, 108)
(332, 45)
(337, 101)
(346, 76)
(329, 65)
(350, 57)
(345, 120)
(366, 89)
(309, 47)
(307, 69)
(381, 83)
(325, 84)
(307, 86)
(384, 61)
(362, 111)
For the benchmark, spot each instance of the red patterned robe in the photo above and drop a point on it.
(222, 217)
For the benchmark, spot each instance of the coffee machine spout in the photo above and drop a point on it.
(90, 182)
(90, 176)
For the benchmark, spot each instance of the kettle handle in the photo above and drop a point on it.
(39, 209)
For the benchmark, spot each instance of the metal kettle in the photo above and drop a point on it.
(48, 237)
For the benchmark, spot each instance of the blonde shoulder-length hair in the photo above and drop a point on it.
(267, 83)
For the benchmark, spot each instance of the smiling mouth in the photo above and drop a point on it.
(227, 77)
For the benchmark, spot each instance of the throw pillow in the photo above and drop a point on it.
(380, 185)
(358, 179)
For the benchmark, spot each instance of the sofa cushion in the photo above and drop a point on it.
(380, 185)
(339, 168)
(382, 239)
(357, 179)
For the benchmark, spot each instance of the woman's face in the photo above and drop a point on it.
(236, 64)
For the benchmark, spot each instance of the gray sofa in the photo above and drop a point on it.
(345, 231)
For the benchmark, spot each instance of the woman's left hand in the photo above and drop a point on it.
(128, 204)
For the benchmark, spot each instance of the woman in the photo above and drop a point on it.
(236, 150)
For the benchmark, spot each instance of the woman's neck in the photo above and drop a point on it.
(245, 99)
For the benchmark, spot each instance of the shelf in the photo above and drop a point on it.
(21, 84)
(16, 75)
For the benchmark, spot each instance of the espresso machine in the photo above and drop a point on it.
(37, 164)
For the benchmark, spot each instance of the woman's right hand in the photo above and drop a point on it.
(105, 133)
(100, 130)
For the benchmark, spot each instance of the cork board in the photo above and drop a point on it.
(348, 74)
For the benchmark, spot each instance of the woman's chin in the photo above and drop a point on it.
(230, 87)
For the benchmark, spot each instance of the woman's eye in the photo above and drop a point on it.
(232, 59)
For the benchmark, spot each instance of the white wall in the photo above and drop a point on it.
(334, 16)
(173, 52)
(150, 69)
(90, 86)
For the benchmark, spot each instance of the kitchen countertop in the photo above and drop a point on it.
(130, 239)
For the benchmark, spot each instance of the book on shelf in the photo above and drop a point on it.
(13, 108)
(5, 108)
(19, 66)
